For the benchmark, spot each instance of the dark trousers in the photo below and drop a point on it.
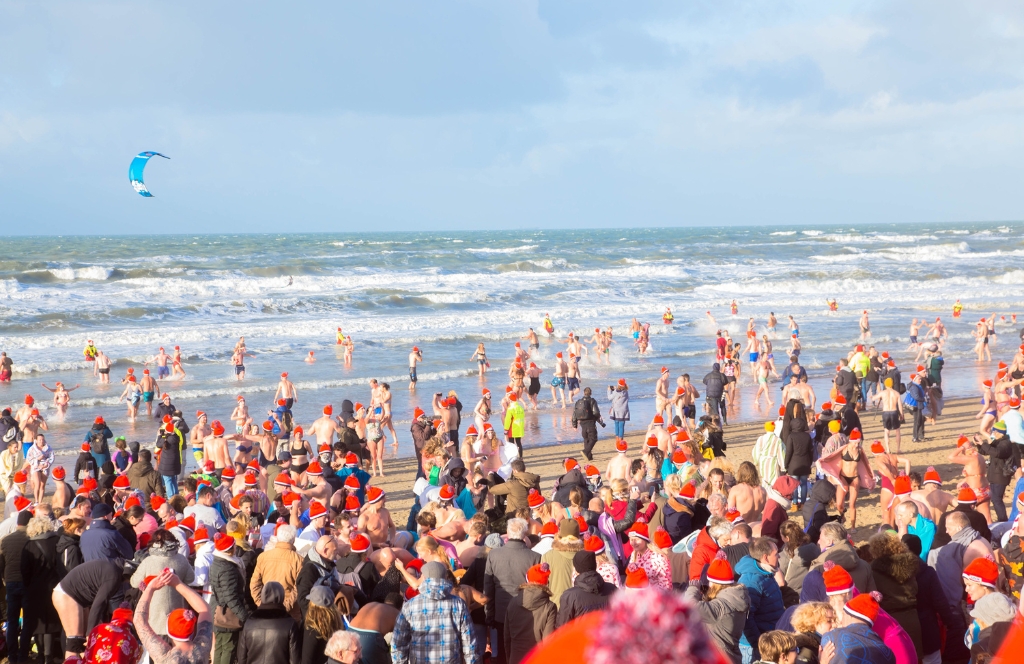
(519, 444)
(224, 645)
(918, 422)
(501, 656)
(589, 430)
(15, 602)
(996, 499)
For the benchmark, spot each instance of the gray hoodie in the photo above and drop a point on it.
(724, 616)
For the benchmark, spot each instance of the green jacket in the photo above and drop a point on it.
(515, 420)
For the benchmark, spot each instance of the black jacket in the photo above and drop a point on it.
(505, 572)
(102, 541)
(83, 464)
(41, 571)
(126, 530)
(97, 438)
(70, 552)
(170, 453)
(421, 431)
(589, 592)
(815, 510)
(313, 647)
(799, 450)
(850, 420)
(714, 382)
(314, 568)
(270, 636)
(11, 548)
(585, 410)
(229, 589)
(1001, 454)
(845, 382)
(565, 483)
(678, 519)
(161, 409)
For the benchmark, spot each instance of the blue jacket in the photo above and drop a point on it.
(361, 475)
(101, 541)
(924, 528)
(766, 605)
(858, 644)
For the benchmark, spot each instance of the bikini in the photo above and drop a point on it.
(846, 457)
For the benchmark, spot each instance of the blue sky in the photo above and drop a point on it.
(338, 116)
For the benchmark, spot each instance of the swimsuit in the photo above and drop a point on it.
(534, 388)
(135, 398)
(891, 420)
(239, 369)
(147, 397)
(558, 381)
(753, 356)
(534, 346)
(913, 338)
(162, 372)
(412, 374)
(104, 372)
(574, 383)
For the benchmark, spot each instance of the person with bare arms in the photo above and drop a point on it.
(375, 520)
(772, 322)
(686, 396)
(318, 489)
(31, 428)
(575, 347)
(215, 447)
(150, 388)
(531, 336)
(517, 377)
(286, 390)
(806, 392)
(533, 389)
(558, 382)
(61, 397)
(888, 466)
(794, 345)
(325, 428)
(966, 454)
(892, 412)
(240, 415)
(63, 494)
(748, 496)
(386, 416)
(197, 437)
(618, 465)
(662, 402)
(865, 326)
(176, 369)
(238, 361)
(573, 378)
(415, 357)
(931, 494)
(132, 396)
(160, 360)
(349, 346)
(604, 347)
(761, 375)
(102, 367)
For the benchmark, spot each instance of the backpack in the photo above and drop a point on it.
(581, 411)
(97, 442)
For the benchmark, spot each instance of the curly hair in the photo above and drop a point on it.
(747, 474)
(885, 544)
(810, 615)
(324, 620)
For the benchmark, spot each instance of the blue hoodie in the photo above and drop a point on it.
(766, 605)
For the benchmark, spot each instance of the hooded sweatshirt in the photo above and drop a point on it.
(724, 616)
(559, 559)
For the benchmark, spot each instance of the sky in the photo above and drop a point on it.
(488, 114)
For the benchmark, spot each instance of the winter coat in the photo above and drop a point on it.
(677, 519)
(169, 443)
(504, 573)
(314, 569)
(703, 553)
(1011, 559)
(144, 478)
(857, 643)
(281, 564)
(845, 381)
(165, 599)
(714, 383)
(795, 567)
(228, 588)
(724, 616)
(517, 488)
(313, 647)
(11, 548)
(126, 530)
(933, 613)
(270, 636)
(589, 592)
(896, 578)
(565, 483)
(559, 559)
(776, 508)
(421, 431)
(619, 408)
(799, 450)
(70, 552)
(765, 597)
(1001, 456)
(815, 509)
(844, 555)
(101, 540)
(434, 627)
(41, 571)
(530, 618)
(808, 644)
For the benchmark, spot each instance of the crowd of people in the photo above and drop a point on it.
(284, 551)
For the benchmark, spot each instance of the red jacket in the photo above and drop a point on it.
(775, 514)
(703, 553)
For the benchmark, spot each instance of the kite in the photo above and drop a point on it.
(136, 168)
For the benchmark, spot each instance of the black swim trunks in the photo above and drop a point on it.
(891, 420)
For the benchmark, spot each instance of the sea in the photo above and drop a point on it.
(448, 291)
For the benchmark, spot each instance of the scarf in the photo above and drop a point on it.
(784, 503)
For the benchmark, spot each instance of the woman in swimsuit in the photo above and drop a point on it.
(888, 467)
(385, 403)
(987, 414)
(849, 478)
(176, 370)
(966, 454)
(61, 397)
(481, 358)
(376, 447)
(766, 352)
(132, 395)
(300, 451)
(482, 412)
(349, 346)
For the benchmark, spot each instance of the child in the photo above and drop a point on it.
(122, 458)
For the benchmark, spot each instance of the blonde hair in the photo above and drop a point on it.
(673, 484)
(774, 644)
(429, 545)
(620, 487)
(324, 620)
(714, 589)
(810, 615)
(39, 525)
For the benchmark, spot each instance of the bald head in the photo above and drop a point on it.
(326, 547)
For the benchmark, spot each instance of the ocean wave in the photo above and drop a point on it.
(783, 233)
(503, 250)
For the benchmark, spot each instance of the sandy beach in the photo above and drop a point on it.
(957, 418)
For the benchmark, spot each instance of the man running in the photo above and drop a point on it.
(160, 360)
(794, 329)
(558, 382)
(531, 336)
(149, 388)
(572, 376)
(892, 413)
(915, 328)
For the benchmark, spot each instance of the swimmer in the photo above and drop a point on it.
(533, 389)
(765, 350)
(981, 344)
(482, 411)
(309, 358)
(238, 362)
(61, 396)
(101, 366)
(5, 368)
(558, 382)
(573, 376)
(711, 318)
(149, 388)
(662, 405)
(385, 403)
(286, 390)
(160, 359)
(480, 357)
(915, 328)
(132, 395)
(325, 427)
(240, 415)
(892, 413)
(794, 329)
(415, 357)
(197, 436)
(349, 346)
(752, 348)
(521, 354)
(761, 374)
(30, 428)
(177, 371)
(794, 345)
(772, 322)
(865, 326)
(531, 336)
(686, 395)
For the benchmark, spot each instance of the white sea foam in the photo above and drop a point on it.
(783, 233)
(503, 250)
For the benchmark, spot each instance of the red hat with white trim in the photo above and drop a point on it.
(837, 579)
(122, 483)
(983, 571)
(351, 460)
(471, 431)
(549, 529)
(658, 421)
(639, 530)
(21, 503)
(856, 435)
(250, 479)
(733, 515)
(228, 473)
(315, 469)
(637, 578)
(352, 483)
(201, 535)
(719, 571)
(679, 457)
(59, 473)
(683, 436)
(374, 494)
(902, 486)
(359, 543)
(254, 465)
(156, 501)
(447, 492)
(967, 496)
(570, 463)
(592, 472)
(188, 523)
(840, 400)
(20, 477)
(652, 442)
(877, 447)
(181, 624)
(594, 544)
(662, 539)
(534, 499)
(931, 476)
(621, 445)
(223, 542)
(283, 479)
(865, 607)
(352, 504)
(688, 491)
(317, 509)
(324, 449)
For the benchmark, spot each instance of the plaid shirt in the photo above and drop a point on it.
(433, 628)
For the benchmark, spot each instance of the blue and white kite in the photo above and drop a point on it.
(136, 168)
